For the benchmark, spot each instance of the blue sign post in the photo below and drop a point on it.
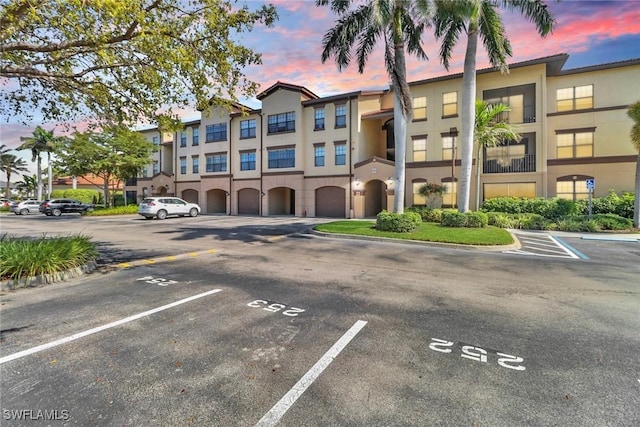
(591, 185)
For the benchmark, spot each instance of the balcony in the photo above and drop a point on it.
(510, 164)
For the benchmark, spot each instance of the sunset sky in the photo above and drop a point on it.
(590, 31)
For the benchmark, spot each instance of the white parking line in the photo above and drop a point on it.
(73, 337)
(272, 417)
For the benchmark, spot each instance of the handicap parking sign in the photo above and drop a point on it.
(591, 184)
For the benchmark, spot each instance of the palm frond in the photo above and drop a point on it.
(535, 11)
(492, 33)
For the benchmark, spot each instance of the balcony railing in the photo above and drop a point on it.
(510, 164)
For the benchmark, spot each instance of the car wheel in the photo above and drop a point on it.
(56, 212)
(24, 211)
(193, 212)
(162, 214)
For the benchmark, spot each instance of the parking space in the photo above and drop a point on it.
(319, 331)
(544, 245)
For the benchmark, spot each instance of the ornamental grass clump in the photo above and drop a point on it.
(21, 258)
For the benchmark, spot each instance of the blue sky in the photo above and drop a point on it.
(591, 32)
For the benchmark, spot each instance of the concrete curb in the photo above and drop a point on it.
(47, 279)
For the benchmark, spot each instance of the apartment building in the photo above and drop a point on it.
(305, 155)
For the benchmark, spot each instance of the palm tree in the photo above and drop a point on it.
(634, 113)
(392, 22)
(28, 185)
(490, 131)
(10, 164)
(41, 140)
(479, 19)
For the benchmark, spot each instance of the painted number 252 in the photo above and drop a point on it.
(478, 354)
(275, 307)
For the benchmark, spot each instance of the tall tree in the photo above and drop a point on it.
(634, 113)
(114, 155)
(479, 19)
(490, 131)
(121, 60)
(399, 25)
(10, 164)
(28, 185)
(41, 141)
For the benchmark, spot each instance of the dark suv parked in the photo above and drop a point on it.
(56, 207)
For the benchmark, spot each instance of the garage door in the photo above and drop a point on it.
(330, 202)
(248, 202)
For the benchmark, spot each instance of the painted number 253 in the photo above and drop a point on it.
(478, 354)
(275, 307)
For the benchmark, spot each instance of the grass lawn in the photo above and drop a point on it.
(428, 232)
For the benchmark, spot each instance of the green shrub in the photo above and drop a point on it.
(606, 221)
(453, 219)
(85, 196)
(427, 214)
(501, 220)
(578, 224)
(476, 219)
(548, 208)
(57, 194)
(398, 223)
(609, 204)
(120, 210)
(24, 258)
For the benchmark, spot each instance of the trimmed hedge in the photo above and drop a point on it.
(398, 223)
(466, 219)
(557, 208)
(429, 214)
(85, 196)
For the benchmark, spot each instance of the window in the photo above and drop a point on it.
(216, 162)
(418, 199)
(195, 164)
(283, 122)
(217, 132)
(145, 172)
(341, 116)
(156, 140)
(341, 153)
(509, 189)
(248, 128)
(449, 104)
(248, 161)
(282, 158)
(196, 137)
(448, 147)
(319, 119)
(156, 168)
(450, 194)
(183, 165)
(183, 138)
(574, 98)
(420, 108)
(520, 99)
(573, 145)
(572, 187)
(319, 155)
(419, 148)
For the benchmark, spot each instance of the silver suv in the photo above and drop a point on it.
(162, 207)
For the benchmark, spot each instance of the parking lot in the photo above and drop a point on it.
(251, 321)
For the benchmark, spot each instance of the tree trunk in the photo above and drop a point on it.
(400, 136)
(49, 175)
(478, 165)
(468, 117)
(106, 192)
(636, 205)
(39, 177)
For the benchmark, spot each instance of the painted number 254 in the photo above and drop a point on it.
(275, 307)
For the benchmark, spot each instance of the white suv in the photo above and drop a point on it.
(162, 207)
